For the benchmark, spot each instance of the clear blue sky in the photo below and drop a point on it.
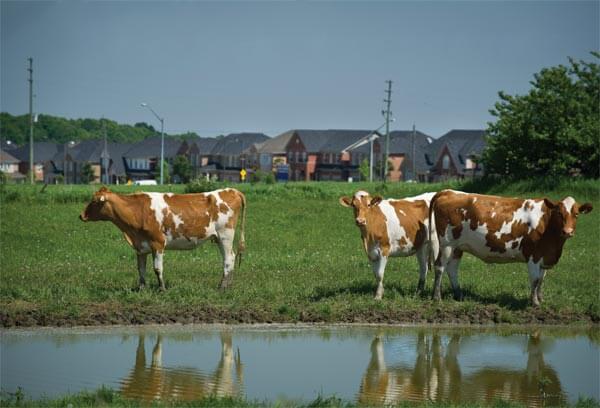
(220, 67)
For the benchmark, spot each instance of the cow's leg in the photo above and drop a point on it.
(378, 270)
(535, 274)
(158, 268)
(422, 258)
(452, 270)
(539, 292)
(440, 266)
(225, 241)
(141, 264)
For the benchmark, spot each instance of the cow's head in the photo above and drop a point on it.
(98, 209)
(361, 203)
(563, 215)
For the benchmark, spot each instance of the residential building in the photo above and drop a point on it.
(407, 155)
(9, 166)
(234, 152)
(43, 153)
(456, 155)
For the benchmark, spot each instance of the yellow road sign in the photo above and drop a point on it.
(243, 173)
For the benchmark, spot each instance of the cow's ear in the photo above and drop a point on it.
(549, 203)
(376, 200)
(585, 208)
(346, 201)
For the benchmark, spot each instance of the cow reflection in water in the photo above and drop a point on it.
(436, 376)
(155, 382)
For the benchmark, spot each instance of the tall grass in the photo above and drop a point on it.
(581, 189)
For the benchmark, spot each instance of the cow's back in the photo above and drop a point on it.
(493, 228)
(186, 220)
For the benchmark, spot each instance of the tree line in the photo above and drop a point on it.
(56, 129)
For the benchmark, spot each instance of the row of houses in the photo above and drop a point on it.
(296, 155)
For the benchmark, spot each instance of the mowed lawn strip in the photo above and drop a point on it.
(304, 262)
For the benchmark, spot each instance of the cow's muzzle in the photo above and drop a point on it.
(568, 232)
(361, 222)
(82, 217)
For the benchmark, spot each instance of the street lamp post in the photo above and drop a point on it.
(162, 139)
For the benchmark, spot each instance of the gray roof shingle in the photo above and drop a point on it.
(42, 151)
(236, 143)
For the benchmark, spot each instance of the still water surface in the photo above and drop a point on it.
(373, 365)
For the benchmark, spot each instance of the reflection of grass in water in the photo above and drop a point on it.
(106, 397)
(304, 262)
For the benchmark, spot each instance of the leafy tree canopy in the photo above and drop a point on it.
(554, 130)
(60, 130)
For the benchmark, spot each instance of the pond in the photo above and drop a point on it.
(365, 364)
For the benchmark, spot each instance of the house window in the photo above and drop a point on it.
(303, 157)
(290, 156)
(446, 162)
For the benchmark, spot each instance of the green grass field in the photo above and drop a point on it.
(304, 262)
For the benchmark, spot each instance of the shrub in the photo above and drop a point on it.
(201, 186)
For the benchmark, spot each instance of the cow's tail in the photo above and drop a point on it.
(242, 238)
(434, 244)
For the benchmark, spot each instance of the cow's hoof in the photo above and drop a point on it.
(437, 297)
(458, 296)
(162, 288)
(225, 282)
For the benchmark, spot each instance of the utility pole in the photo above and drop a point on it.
(387, 113)
(104, 156)
(31, 165)
(414, 159)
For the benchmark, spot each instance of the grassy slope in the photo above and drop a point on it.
(304, 262)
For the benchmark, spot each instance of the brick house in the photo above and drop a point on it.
(9, 165)
(316, 154)
(403, 164)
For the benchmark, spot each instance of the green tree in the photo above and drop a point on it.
(166, 175)
(363, 169)
(182, 168)
(87, 173)
(553, 130)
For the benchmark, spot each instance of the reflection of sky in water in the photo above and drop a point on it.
(290, 364)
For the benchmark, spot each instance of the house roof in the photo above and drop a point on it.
(116, 151)
(206, 144)
(150, 147)
(277, 144)
(401, 141)
(322, 141)
(461, 144)
(42, 152)
(8, 158)
(236, 143)
(7, 145)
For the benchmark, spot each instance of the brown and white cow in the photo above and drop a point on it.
(393, 228)
(500, 230)
(155, 222)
